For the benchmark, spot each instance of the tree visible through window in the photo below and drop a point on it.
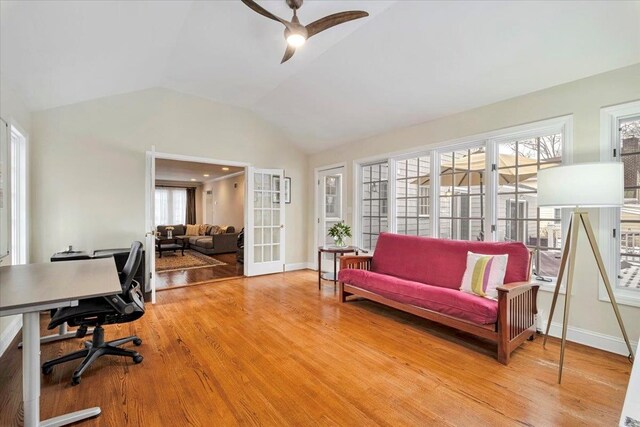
(519, 217)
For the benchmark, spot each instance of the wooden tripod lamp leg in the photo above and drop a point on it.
(563, 264)
(584, 217)
(567, 297)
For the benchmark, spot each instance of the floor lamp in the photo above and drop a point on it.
(585, 185)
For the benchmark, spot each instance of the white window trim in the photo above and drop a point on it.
(609, 217)
(24, 220)
(490, 140)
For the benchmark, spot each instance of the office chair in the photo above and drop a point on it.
(121, 308)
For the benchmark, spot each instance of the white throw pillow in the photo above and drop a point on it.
(484, 274)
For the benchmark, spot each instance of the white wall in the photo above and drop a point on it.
(228, 201)
(14, 111)
(88, 164)
(583, 99)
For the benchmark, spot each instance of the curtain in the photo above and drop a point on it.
(170, 206)
(191, 206)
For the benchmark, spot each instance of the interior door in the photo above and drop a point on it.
(265, 230)
(330, 209)
(150, 233)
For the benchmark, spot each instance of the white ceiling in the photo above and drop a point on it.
(174, 170)
(409, 62)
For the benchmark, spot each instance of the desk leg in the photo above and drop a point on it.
(335, 270)
(31, 368)
(31, 379)
(319, 269)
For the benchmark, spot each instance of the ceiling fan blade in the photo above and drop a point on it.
(288, 54)
(333, 20)
(264, 12)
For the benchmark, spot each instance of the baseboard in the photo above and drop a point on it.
(10, 333)
(298, 266)
(612, 344)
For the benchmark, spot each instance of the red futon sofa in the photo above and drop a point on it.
(422, 276)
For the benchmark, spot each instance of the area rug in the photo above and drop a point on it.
(175, 261)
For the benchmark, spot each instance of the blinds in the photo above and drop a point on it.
(171, 206)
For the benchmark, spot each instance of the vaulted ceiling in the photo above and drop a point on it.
(408, 62)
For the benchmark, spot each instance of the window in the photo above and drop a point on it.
(483, 187)
(423, 201)
(629, 136)
(462, 194)
(515, 209)
(18, 165)
(333, 196)
(620, 227)
(373, 203)
(412, 196)
(171, 206)
(519, 218)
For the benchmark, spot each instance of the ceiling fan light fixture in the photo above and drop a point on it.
(296, 40)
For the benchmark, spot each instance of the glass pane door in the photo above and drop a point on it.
(331, 212)
(266, 237)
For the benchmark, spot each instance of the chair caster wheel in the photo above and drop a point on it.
(137, 342)
(75, 380)
(137, 359)
(46, 370)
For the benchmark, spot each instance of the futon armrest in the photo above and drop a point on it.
(511, 291)
(516, 286)
(358, 262)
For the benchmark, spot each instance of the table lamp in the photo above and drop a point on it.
(584, 185)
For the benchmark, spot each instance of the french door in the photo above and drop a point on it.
(265, 232)
(330, 208)
(150, 226)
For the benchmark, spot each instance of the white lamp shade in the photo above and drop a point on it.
(583, 184)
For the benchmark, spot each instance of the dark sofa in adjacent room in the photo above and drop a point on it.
(213, 240)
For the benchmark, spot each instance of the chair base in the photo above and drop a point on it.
(93, 350)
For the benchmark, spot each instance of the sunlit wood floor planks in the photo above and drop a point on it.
(273, 350)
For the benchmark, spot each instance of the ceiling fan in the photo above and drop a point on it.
(296, 33)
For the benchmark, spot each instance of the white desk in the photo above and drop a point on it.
(29, 289)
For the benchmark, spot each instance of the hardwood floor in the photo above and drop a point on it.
(274, 350)
(173, 279)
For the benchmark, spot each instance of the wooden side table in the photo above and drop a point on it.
(336, 251)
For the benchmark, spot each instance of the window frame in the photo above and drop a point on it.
(170, 203)
(609, 230)
(358, 198)
(490, 140)
(21, 256)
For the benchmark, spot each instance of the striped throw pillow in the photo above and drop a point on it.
(484, 274)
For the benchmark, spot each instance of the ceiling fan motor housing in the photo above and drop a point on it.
(296, 28)
(295, 4)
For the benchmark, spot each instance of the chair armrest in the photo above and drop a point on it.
(358, 262)
(516, 286)
(509, 291)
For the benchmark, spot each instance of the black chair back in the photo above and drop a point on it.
(130, 303)
(131, 266)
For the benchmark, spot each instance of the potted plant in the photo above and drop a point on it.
(169, 232)
(340, 232)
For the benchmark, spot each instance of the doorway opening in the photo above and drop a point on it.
(199, 217)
